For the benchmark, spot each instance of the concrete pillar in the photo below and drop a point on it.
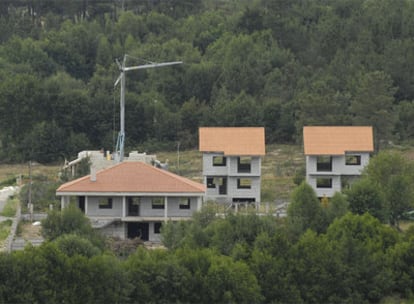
(165, 208)
(124, 213)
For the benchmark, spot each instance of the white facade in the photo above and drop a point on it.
(329, 174)
(232, 178)
(135, 216)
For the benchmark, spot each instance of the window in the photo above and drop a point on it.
(133, 205)
(324, 163)
(324, 182)
(244, 183)
(157, 203)
(157, 227)
(244, 164)
(219, 161)
(185, 203)
(210, 182)
(105, 203)
(353, 160)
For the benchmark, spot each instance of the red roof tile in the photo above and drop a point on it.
(232, 140)
(330, 140)
(133, 177)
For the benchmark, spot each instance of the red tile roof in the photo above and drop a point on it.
(330, 140)
(133, 177)
(232, 140)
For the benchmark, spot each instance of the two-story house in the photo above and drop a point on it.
(335, 156)
(133, 199)
(232, 162)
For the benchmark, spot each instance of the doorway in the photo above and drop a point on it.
(81, 203)
(138, 230)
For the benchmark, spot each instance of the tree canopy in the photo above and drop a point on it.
(277, 64)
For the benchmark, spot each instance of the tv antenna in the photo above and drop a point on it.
(119, 150)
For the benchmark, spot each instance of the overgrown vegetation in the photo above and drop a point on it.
(10, 208)
(271, 63)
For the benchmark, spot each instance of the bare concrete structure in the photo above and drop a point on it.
(335, 156)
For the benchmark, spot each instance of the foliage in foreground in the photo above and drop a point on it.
(241, 258)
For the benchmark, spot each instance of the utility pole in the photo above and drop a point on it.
(30, 205)
(119, 153)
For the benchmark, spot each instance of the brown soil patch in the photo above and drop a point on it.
(29, 231)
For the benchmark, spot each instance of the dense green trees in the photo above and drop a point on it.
(278, 64)
(238, 258)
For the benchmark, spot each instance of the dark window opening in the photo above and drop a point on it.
(105, 203)
(210, 182)
(324, 182)
(222, 182)
(133, 206)
(81, 203)
(244, 183)
(219, 161)
(244, 200)
(157, 227)
(138, 230)
(158, 203)
(244, 164)
(353, 160)
(185, 203)
(324, 163)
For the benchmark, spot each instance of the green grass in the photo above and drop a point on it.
(5, 229)
(10, 208)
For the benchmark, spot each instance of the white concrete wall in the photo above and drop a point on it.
(255, 166)
(209, 169)
(230, 171)
(117, 229)
(152, 236)
(146, 210)
(231, 166)
(328, 192)
(253, 192)
(92, 207)
(338, 165)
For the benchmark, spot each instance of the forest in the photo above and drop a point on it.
(281, 64)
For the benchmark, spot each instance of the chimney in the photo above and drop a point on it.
(93, 174)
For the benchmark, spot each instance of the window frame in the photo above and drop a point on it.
(244, 164)
(349, 160)
(241, 183)
(105, 203)
(219, 161)
(158, 203)
(210, 183)
(324, 163)
(185, 203)
(322, 185)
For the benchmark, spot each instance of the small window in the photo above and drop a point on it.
(185, 203)
(324, 163)
(353, 160)
(244, 164)
(324, 182)
(105, 203)
(244, 183)
(219, 161)
(210, 182)
(157, 227)
(157, 203)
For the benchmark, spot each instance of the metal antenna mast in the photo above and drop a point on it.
(119, 153)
